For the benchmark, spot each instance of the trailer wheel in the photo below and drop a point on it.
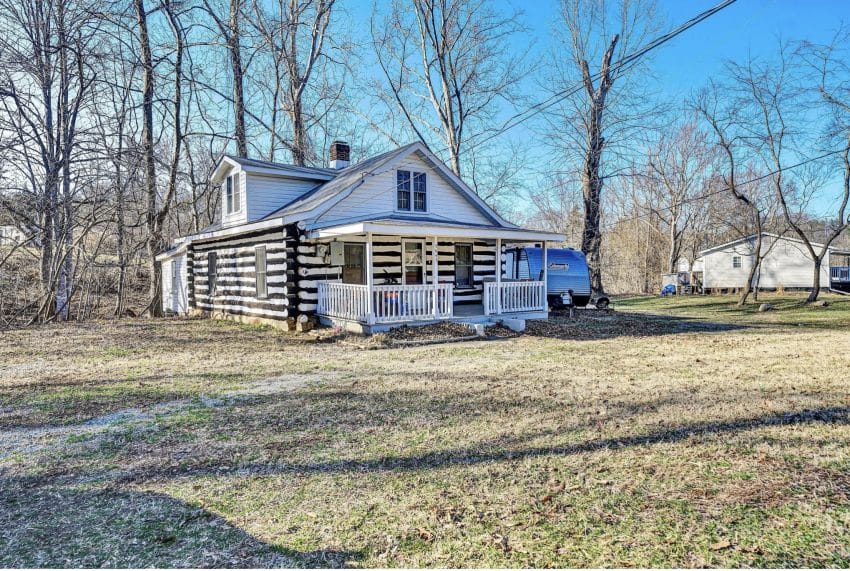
(602, 303)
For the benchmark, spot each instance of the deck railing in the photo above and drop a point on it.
(513, 297)
(412, 302)
(346, 301)
(839, 273)
(390, 303)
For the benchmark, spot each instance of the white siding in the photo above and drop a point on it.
(265, 194)
(377, 195)
(175, 300)
(787, 264)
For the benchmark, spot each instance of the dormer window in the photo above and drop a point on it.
(232, 203)
(411, 191)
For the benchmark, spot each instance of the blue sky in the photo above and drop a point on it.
(747, 27)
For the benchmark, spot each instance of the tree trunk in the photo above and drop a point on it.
(154, 241)
(234, 47)
(591, 241)
(299, 134)
(813, 295)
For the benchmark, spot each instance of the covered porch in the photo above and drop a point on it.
(395, 272)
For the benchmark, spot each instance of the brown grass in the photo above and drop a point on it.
(651, 438)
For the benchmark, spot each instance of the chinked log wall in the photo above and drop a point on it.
(236, 283)
(386, 263)
(294, 270)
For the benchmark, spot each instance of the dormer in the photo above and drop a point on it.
(253, 189)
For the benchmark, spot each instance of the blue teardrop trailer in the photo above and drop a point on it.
(569, 279)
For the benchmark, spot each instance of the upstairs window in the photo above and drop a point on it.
(411, 191)
(232, 202)
(736, 262)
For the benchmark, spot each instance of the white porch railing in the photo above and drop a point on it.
(346, 301)
(513, 297)
(412, 302)
(390, 303)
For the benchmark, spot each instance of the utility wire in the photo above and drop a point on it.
(725, 188)
(627, 60)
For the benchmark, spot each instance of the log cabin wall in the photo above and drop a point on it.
(236, 292)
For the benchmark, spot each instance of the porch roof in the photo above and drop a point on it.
(439, 229)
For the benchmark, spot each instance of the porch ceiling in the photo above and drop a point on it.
(439, 230)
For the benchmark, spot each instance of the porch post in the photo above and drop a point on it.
(498, 276)
(434, 272)
(545, 276)
(370, 282)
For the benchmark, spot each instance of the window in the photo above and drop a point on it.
(354, 256)
(232, 202)
(260, 272)
(736, 261)
(463, 265)
(411, 191)
(212, 273)
(414, 262)
(419, 194)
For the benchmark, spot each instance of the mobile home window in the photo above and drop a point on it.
(411, 191)
(212, 272)
(354, 263)
(736, 261)
(463, 265)
(260, 269)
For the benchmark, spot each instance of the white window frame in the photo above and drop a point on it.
(264, 292)
(412, 209)
(404, 265)
(737, 262)
(235, 195)
(212, 277)
(471, 284)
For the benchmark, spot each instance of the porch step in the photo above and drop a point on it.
(478, 324)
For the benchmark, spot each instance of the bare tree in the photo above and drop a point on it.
(446, 71)
(679, 168)
(45, 84)
(230, 30)
(737, 175)
(594, 121)
(294, 32)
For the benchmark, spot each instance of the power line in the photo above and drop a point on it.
(629, 59)
(726, 188)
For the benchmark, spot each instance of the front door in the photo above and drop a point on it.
(413, 259)
(353, 269)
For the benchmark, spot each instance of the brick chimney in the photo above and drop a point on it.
(339, 155)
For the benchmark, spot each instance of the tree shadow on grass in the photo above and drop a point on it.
(55, 526)
(495, 451)
(586, 325)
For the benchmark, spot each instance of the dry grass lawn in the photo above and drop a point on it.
(671, 433)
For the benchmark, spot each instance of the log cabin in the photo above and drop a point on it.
(395, 239)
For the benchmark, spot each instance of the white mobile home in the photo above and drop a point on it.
(786, 264)
(397, 238)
